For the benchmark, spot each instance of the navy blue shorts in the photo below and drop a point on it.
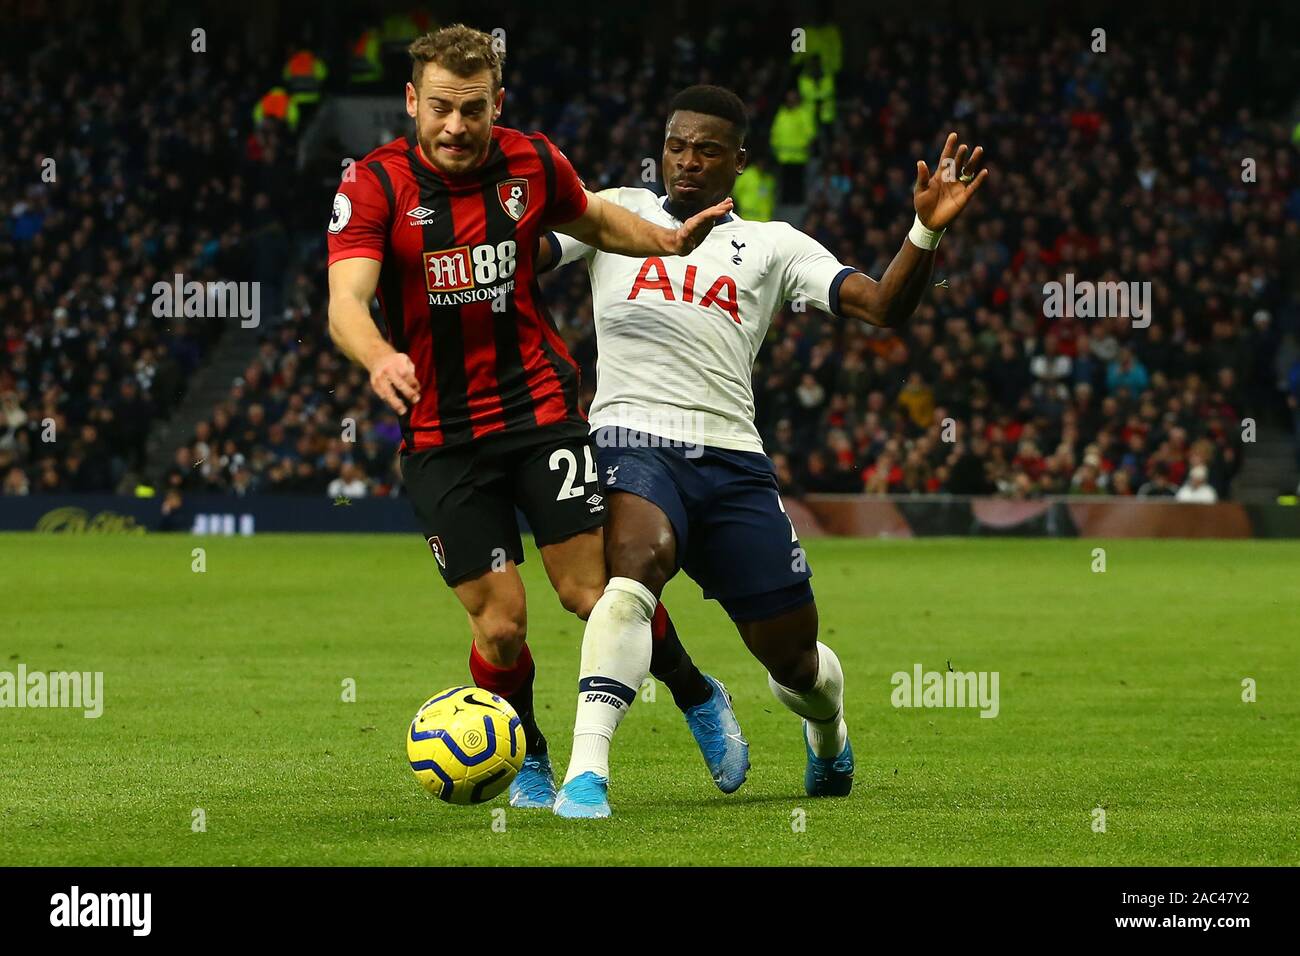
(734, 538)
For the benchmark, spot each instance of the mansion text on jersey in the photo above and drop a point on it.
(465, 296)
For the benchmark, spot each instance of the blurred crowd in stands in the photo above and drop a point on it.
(1125, 166)
(121, 171)
(301, 419)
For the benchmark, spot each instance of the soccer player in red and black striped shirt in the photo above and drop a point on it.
(443, 226)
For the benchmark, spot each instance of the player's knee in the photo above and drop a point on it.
(580, 599)
(796, 670)
(501, 636)
(649, 561)
(789, 649)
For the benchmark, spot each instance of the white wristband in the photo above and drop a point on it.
(922, 237)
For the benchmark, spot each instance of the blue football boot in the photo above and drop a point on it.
(585, 797)
(828, 776)
(534, 786)
(716, 730)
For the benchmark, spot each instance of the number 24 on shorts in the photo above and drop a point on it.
(564, 457)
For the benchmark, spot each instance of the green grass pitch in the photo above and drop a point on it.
(223, 692)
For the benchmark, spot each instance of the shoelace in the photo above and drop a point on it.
(536, 786)
(832, 764)
(584, 788)
(710, 723)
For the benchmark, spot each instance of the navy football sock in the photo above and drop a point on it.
(672, 666)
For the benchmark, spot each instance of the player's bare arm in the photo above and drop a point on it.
(939, 199)
(392, 373)
(610, 228)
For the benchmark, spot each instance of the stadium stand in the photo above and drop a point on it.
(1105, 169)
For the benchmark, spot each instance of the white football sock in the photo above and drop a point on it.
(616, 650)
(822, 706)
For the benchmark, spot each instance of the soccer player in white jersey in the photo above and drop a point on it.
(687, 481)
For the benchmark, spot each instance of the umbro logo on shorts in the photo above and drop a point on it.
(595, 502)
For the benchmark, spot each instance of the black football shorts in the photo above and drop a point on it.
(465, 496)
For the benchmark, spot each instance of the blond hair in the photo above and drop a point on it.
(460, 49)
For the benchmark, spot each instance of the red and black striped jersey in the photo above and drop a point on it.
(457, 286)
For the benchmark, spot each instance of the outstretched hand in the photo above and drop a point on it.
(941, 197)
(696, 229)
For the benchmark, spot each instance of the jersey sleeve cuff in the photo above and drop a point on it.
(833, 299)
(582, 204)
(357, 252)
(556, 252)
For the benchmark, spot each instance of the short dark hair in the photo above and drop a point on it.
(713, 101)
(458, 48)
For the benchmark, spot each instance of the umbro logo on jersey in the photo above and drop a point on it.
(420, 216)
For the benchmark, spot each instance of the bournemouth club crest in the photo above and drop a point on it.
(513, 194)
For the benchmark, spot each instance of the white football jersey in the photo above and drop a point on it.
(677, 336)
